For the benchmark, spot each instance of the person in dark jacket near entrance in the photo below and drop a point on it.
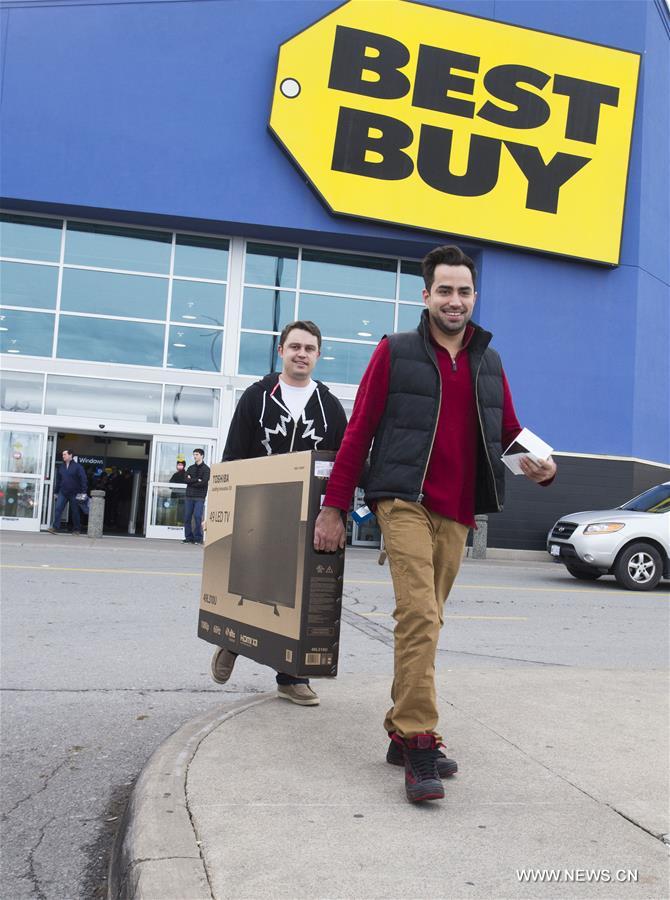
(197, 480)
(436, 407)
(284, 413)
(70, 480)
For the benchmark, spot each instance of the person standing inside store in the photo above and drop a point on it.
(70, 480)
(436, 407)
(284, 413)
(177, 495)
(197, 480)
(178, 476)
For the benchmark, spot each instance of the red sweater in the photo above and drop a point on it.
(449, 486)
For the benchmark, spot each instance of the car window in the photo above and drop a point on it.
(655, 500)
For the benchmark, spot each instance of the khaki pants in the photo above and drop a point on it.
(424, 553)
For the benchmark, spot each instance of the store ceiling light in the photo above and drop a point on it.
(328, 358)
(13, 351)
(189, 317)
(179, 345)
(364, 333)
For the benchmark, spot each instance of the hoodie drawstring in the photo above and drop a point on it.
(323, 415)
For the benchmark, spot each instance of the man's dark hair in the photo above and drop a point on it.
(67, 450)
(199, 450)
(449, 255)
(304, 326)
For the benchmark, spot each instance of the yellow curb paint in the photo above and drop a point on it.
(109, 571)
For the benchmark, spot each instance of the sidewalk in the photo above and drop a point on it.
(267, 800)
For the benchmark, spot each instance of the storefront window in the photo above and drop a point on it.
(110, 340)
(338, 317)
(198, 302)
(28, 237)
(101, 399)
(411, 281)
(109, 247)
(195, 348)
(201, 257)
(26, 333)
(408, 316)
(271, 265)
(112, 294)
(165, 306)
(20, 451)
(23, 284)
(343, 273)
(267, 310)
(186, 405)
(21, 392)
(351, 297)
(343, 362)
(257, 353)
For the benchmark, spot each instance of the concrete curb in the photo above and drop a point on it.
(156, 853)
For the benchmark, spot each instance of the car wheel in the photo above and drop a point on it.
(639, 567)
(582, 572)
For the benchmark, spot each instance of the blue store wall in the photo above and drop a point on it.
(160, 109)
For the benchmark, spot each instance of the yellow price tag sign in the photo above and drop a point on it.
(431, 119)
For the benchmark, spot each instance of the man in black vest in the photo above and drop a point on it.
(437, 409)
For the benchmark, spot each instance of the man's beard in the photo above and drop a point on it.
(445, 327)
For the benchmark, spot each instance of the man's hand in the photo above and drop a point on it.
(329, 531)
(542, 470)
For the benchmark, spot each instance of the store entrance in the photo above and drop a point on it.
(118, 466)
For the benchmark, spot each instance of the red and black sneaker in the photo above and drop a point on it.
(421, 779)
(446, 767)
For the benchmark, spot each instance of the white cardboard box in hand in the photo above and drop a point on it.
(525, 444)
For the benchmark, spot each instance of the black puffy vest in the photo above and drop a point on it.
(404, 438)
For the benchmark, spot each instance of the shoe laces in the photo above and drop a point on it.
(424, 762)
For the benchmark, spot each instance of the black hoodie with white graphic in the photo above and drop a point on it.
(262, 424)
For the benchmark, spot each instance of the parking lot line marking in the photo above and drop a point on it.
(49, 568)
(493, 618)
(509, 587)
(480, 587)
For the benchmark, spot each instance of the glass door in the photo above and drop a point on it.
(167, 488)
(22, 453)
(47, 486)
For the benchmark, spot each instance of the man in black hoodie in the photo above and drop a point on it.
(283, 413)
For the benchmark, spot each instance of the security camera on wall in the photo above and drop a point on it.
(101, 426)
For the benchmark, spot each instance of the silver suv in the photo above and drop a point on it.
(631, 542)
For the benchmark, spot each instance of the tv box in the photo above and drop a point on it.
(266, 593)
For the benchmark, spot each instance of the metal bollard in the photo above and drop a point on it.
(96, 514)
(479, 537)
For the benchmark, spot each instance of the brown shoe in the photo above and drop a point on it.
(52, 531)
(223, 663)
(302, 694)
